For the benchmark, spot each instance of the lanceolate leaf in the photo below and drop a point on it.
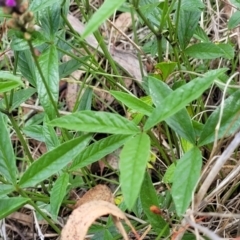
(7, 158)
(185, 178)
(166, 68)
(70, 66)
(149, 198)
(38, 5)
(188, 21)
(133, 161)
(58, 193)
(50, 136)
(151, 11)
(10, 205)
(168, 176)
(50, 20)
(210, 51)
(192, 5)
(132, 102)
(102, 122)
(98, 150)
(179, 122)
(49, 65)
(179, 98)
(35, 132)
(234, 20)
(6, 189)
(107, 8)
(21, 96)
(8, 81)
(229, 120)
(86, 100)
(26, 66)
(53, 161)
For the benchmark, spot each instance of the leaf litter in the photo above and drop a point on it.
(95, 203)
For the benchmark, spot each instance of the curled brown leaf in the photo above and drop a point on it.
(82, 217)
(99, 192)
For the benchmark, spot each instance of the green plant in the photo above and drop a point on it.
(173, 110)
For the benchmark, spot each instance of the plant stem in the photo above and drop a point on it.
(49, 221)
(148, 24)
(21, 138)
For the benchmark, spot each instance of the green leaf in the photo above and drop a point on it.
(10, 205)
(198, 127)
(227, 50)
(168, 176)
(166, 68)
(191, 5)
(91, 121)
(26, 66)
(201, 35)
(229, 121)
(7, 158)
(9, 81)
(180, 122)
(38, 5)
(132, 102)
(179, 98)
(5, 189)
(58, 193)
(21, 96)
(50, 136)
(50, 19)
(48, 61)
(98, 150)
(66, 68)
(210, 51)
(133, 161)
(185, 178)
(234, 20)
(107, 235)
(86, 99)
(235, 3)
(188, 22)
(21, 44)
(151, 11)
(36, 119)
(53, 161)
(149, 198)
(104, 12)
(35, 132)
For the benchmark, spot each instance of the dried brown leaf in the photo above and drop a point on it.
(72, 89)
(22, 218)
(128, 62)
(99, 192)
(113, 159)
(122, 23)
(82, 217)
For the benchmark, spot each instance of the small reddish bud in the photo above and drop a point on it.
(156, 210)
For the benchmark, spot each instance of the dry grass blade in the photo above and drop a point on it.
(231, 176)
(216, 168)
(204, 230)
(83, 216)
